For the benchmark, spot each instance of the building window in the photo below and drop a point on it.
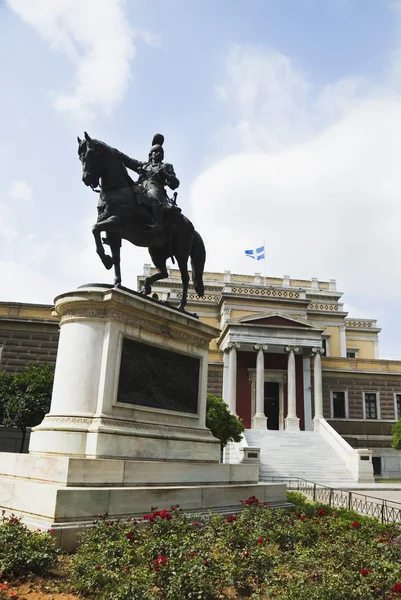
(351, 354)
(325, 346)
(371, 405)
(339, 401)
(398, 406)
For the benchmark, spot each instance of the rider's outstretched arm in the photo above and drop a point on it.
(130, 163)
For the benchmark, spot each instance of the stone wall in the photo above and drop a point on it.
(215, 380)
(357, 383)
(27, 342)
(10, 439)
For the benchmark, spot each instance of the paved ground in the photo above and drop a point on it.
(383, 491)
(393, 495)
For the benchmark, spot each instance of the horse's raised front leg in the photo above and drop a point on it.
(108, 226)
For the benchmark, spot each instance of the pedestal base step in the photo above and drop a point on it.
(86, 472)
(66, 509)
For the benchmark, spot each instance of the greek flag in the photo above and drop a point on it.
(257, 253)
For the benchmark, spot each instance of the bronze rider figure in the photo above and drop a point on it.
(154, 175)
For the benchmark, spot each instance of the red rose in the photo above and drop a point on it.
(97, 568)
(51, 531)
(321, 512)
(231, 518)
(364, 572)
(355, 524)
(130, 535)
(195, 524)
(397, 588)
(261, 540)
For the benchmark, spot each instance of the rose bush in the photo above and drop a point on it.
(23, 551)
(314, 552)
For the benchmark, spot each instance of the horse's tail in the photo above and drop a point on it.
(198, 257)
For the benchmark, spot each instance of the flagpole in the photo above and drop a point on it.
(264, 260)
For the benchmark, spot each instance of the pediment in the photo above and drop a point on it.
(277, 319)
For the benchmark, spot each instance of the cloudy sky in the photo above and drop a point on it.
(282, 119)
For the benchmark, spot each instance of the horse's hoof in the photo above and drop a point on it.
(117, 284)
(107, 261)
(145, 291)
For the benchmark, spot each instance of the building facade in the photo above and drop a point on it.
(288, 352)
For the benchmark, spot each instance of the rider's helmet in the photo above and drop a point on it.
(157, 144)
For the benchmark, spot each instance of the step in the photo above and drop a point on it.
(298, 454)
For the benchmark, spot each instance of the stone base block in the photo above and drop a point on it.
(259, 421)
(291, 424)
(111, 438)
(69, 471)
(64, 493)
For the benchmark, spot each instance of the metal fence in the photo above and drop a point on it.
(387, 511)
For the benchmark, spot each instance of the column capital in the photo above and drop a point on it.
(292, 349)
(233, 345)
(316, 351)
(260, 347)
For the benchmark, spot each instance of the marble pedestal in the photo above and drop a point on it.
(126, 428)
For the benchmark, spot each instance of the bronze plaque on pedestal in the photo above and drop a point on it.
(158, 378)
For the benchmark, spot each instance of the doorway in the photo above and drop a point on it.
(272, 404)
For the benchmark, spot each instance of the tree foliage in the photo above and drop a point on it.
(25, 396)
(397, 435)
(225, 426)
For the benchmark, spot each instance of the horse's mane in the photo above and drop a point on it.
(105, 149)
(103, 146)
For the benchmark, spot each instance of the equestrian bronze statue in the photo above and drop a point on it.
(141, 212)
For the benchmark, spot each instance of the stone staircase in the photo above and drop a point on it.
(303, 454)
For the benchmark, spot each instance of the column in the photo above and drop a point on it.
(291, 420)
(307, 394)
(259, 420)
(317, 382)
(232, 377)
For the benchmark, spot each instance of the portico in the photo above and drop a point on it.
(266, 378)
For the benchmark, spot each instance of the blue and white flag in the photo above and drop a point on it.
(257, 253)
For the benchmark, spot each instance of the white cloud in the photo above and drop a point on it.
(20, 190)
(329, 207)
(316, 175)
(270, 104)
(96, 38)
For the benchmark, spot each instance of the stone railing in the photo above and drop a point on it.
(358, 461)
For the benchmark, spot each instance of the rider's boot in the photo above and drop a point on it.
(157, 219)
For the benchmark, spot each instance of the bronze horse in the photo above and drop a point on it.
(124, 215)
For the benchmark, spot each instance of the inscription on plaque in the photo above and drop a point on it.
(158, 378)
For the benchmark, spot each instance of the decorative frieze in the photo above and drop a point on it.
(206, 298)
(360, 324)
(266, 292)
(316, 306)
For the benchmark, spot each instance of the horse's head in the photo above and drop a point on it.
(91, 158)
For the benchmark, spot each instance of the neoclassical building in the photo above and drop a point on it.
(288, 352)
